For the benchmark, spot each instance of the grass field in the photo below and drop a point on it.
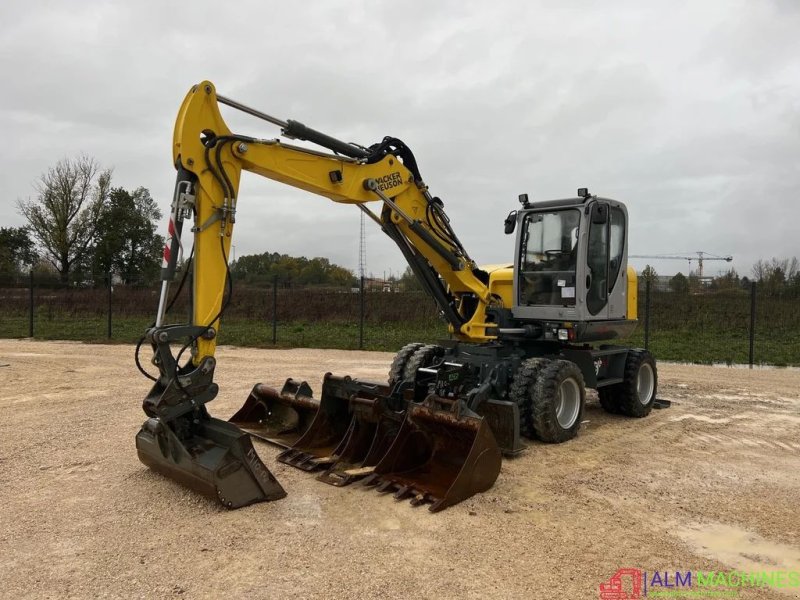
(692, 344)
(235, 332)
(712, 327)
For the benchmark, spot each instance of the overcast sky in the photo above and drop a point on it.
(687, 111)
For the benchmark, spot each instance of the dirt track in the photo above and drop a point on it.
(710, 484)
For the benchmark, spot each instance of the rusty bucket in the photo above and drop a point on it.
(372, 430)
(442, 455)
(278, 417)
(316, 448)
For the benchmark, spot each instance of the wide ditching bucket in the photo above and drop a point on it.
(209, 456)
(316, 448)
(278, 417)
(442, 455)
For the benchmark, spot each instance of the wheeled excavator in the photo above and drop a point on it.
(526, 339)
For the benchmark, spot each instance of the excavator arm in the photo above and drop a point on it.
(205, 150)
(180, 439)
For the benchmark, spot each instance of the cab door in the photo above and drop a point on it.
(597, 251)
(606, 262)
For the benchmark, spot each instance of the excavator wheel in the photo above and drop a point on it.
(608, 400)
(558, 402)
(522, 390)
(399, 362)
(422, 357)
(635, 396)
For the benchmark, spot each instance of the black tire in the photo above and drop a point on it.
(523, 387)
(400, 360)
(558, 402)
(608, 399)
(422, 357)
(635, 396)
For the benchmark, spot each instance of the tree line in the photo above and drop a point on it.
(82, 230)
(264, 269)
(774, 277)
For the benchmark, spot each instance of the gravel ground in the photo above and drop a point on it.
(709, 484)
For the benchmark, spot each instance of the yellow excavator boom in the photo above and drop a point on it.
(204, 145)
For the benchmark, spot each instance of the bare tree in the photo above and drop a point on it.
(763, 270)
(64, 216)
(789, 266)
(774, 275)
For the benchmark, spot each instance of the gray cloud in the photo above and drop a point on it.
(687, 111)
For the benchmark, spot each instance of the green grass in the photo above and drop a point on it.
(686, 344)
(720, 346)
(236, 332)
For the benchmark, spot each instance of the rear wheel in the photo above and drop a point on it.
(558, 402)
(399, 363)
(608, 399)
(635, 396)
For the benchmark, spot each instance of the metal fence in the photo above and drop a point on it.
(736, 326)
(748, 325)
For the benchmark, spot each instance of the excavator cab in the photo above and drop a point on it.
(571, 264)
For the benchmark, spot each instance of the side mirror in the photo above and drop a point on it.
(599, 214)
(511, 222)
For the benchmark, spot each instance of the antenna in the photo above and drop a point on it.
(362, 250)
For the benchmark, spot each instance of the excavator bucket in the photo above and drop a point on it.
(278, 417)
(441, 456)
(211, 457)
(316, 448)
(372, 430)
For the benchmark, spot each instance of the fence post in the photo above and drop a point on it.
(108, 283)
(274, 310)
(30, 307)
(647, 313)
(361, 315)
(752, 322)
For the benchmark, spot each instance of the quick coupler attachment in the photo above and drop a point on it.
(443, 454)
(210, 456)
(280, 418)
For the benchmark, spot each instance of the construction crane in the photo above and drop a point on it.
(699, 256)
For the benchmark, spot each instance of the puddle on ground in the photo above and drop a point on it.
(739, 549)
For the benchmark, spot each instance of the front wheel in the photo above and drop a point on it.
(400, 360)
(558, 402)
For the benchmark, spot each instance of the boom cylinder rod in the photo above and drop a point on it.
(251, 111)
(296, 130)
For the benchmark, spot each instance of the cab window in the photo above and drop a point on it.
(549, 258)
(597, 272)
(616, 245)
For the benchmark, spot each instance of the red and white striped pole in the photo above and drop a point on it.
(172, 246)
